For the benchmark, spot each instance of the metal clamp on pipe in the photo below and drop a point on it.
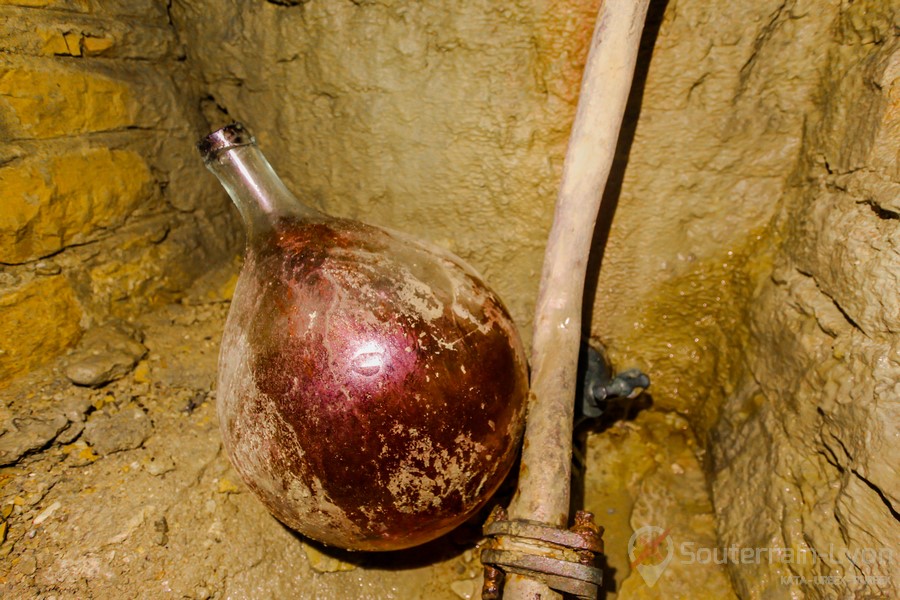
(562, 559)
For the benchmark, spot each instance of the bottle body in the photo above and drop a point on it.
(371, 388)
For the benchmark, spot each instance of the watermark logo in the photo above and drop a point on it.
(650, 550)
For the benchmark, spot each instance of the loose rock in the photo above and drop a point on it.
(28, 434)
(124, 430)
(75, 407)
(105, 354)
(27, 565)
(465, 589)
(71, 432)
(324, 563)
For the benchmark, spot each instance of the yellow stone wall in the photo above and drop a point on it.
(62, 199)
(37, 318)
(105, 208)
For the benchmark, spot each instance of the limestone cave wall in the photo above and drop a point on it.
(806, 455)
(746, 258)
(103, 213)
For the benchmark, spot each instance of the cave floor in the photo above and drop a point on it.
(152, 508)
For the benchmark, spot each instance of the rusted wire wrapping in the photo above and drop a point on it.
(563, 560)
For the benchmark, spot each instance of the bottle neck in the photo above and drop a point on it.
(256, 190)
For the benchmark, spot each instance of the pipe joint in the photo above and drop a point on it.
(562, 559)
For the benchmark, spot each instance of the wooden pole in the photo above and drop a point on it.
(545, 470)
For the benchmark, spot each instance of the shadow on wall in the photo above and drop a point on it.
(613, 190)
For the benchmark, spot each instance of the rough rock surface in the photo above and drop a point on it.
(144, 504)
(125, 429)
(447, 121)
(97, 170)
(751, 269)
(806, 456)
(750, 266)
(645, 472)
(39, 316)
(104, 354)
(716, 135)
(26, 434)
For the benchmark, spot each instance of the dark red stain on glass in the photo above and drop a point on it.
(406, 423)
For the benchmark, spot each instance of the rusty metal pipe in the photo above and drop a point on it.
(545, 471)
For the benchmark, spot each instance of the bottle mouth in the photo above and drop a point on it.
(230, 136)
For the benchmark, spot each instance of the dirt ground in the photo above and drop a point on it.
(122, 490)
